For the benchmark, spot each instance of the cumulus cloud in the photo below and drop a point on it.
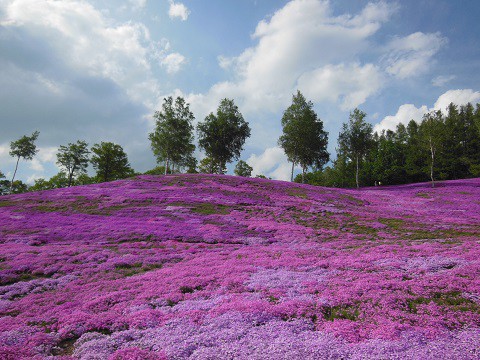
(409, 112)
(411, 55)
(301, 39)
(458, 97)
(178, 10)
(271, 163)
(349, 84)
(72, 72)
(404, 114)
(173, 62)
(89, 42)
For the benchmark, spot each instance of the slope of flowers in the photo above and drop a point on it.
(218, 267)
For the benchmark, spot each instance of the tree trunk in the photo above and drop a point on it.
(167, 163)
(14, 173)
(70, 176)
(356, 174)
(293, 166)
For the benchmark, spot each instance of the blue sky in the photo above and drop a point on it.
(96, 70)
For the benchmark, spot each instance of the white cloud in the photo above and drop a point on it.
(442, 80)
(36, 165)
(271, 163)
(409, 112)
(299, 39)
(173, 62)
(349, 84)
(91, 43)
(458, 97)
(411, 55)
(47, 154)
(178, 10)
(404, 114)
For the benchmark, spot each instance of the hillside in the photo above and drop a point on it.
(219, 267)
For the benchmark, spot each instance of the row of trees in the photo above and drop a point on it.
(221, 136)
(443, 146)
(108, 159)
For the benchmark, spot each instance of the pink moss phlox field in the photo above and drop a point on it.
(219, 267)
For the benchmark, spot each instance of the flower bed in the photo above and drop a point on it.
(219, 267)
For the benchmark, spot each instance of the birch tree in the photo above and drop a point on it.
(304, 140)
(74, 159)
(356, 139)
(24, 148)
(172, 139)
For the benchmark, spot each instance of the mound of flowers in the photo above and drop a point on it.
(219, 267)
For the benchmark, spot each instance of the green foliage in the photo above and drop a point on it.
(73, 158)
(57, 181)
(110, 161)
(210, 166)
(84, 179)
(222, 135)
(356, 139)
(172, 139)
(304, 140)
(18, 187)
(432, 132)
(24, 148)
(243, 169)
(158, 170)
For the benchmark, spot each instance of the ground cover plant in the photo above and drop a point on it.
(219, 267)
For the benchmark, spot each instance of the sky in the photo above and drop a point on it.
(97, 70)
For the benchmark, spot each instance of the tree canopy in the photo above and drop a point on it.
(222, 135)
(356, 139)
(73, 158)
(243, 169)
(304, 140)
(23, 148)
(110, 161)
(172, 139)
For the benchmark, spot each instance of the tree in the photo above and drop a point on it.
(243, 169)
(210, 166)
(23, 148)
(110, 162)
(172, 139)
(57, 181)
(431, 130)
(74, 159)
(356, 139)
(304, 140)
(389, 160)
(222, 135)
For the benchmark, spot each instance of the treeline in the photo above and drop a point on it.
(221, 136)
(443, 146)
(108, 159)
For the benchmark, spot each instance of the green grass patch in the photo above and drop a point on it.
(452, 300)
(128, 270)
(297, 192)
(205, 208)
(346, 312)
